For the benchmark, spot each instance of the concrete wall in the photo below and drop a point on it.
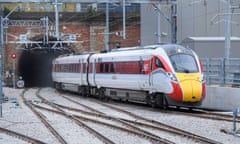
(222, 98)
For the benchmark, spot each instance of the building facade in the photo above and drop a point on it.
(195, 18)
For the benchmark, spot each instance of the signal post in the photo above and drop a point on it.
(13, 56)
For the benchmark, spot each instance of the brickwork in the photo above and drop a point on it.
(13, 33)
(90, 37)
(97, 38)
(132, 37)
(83, 35)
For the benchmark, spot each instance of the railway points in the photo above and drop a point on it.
(203, 127)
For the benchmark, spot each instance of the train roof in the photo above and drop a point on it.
(75, 54)
(143, 51)
(136, 48)
(170, 49)
(69, 58)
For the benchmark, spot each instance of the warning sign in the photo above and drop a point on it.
(20, 83)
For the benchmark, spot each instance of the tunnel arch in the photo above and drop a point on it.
(35, 64)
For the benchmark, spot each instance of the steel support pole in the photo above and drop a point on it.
(107, 28)
(14, 73)
(124, 19)
(57, 19)
(227, 30)
(46, 27)
(174, 22)
(1, 79)
(159, 25)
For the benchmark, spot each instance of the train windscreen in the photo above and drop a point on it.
(184, 63)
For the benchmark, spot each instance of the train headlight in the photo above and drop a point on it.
(203, 78)
(172, 77)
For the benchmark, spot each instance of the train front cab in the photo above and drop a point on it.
(187, 78)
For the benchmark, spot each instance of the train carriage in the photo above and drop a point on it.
(70, 72)
(156, 74)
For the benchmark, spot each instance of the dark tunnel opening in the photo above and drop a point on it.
(35, 68)
(35, 65)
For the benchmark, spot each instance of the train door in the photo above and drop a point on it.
(159, 80)
(81, 70)
(144, 62)
(94, 71)
(151, 73)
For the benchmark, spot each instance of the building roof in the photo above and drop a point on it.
(209, 39)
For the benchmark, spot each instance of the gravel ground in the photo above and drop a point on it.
(18, 117)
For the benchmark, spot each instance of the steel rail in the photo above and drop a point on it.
(135, 130)
(206, 115)
(69, 116)
(138, 132)
(167, 127)
(184, 133)
(43, 120)
(173, 129)
(21, 136)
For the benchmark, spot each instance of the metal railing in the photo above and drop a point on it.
(222, 71)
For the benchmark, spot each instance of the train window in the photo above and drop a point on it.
(90, 68)
(66, 68)
(106, 68)
(158, 63)
(74, 68)
(78, 67)
(101, 67)
(70, 68)
(84, 67)
(62, 68)
(112, 68)
(141, 67)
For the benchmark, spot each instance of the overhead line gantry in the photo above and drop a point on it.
(86, 1)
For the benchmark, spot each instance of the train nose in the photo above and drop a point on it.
(191, 90)
(191, 87)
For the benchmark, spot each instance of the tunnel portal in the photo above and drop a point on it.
(35, 68)
(35, 65)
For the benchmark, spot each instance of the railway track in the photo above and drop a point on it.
(198, 113)
(43, 120)
(61, 140)
(73, 118)
(91, 112)
(21, 136)
(206, 115)
(129, 127)
(159, 125)
(153, 124)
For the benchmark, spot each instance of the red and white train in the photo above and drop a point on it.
(159, 75)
